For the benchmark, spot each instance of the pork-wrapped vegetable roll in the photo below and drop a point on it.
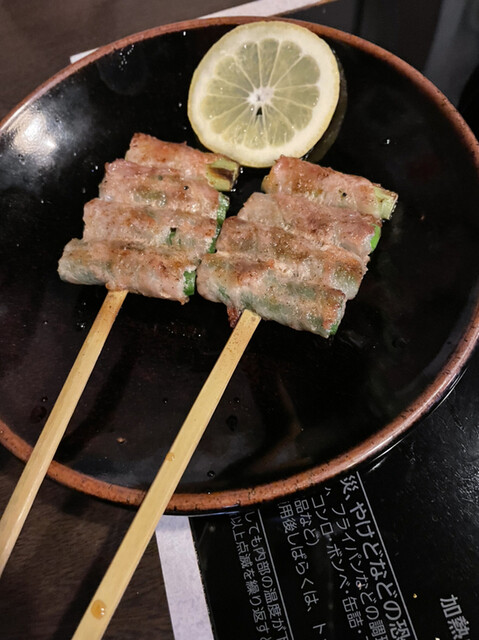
(325, 186)
(244, 283)
(326, 224)
(294, 255)
(136, 184)
(159, 273)
(297, 254)
(219, 171)
(150, 226)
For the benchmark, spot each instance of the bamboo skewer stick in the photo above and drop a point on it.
(32, 476)
(109, 593)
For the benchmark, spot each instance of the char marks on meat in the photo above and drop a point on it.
(219, 171)
(157, 214)
(241, 283)
(345, 228)
(294, 254)
(136, 184)
(326, 186)
(156, 273)
(297, 253)
(147, 225)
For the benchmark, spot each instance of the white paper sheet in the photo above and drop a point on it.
(181, 574)
(264, 8)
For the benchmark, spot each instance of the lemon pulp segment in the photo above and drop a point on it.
(265, 89)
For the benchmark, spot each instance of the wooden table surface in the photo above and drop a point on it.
(69, 538)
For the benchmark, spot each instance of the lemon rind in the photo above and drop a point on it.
(322, 112)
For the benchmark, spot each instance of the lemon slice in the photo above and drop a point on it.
(265, 89)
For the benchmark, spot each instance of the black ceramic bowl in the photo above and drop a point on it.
(299, 409)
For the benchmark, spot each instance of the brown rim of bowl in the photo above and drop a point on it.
(379, 442)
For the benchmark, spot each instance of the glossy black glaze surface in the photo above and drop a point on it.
(296, 401)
